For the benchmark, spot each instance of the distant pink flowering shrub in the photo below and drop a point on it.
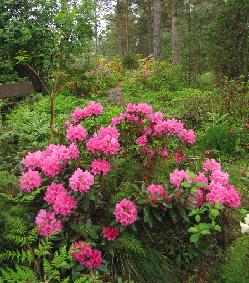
(92, 109)
(125, 212)
(110, 233)
(47, 223)
(30, 180)
(81, 181)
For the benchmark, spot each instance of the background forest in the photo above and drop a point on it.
(182, 67)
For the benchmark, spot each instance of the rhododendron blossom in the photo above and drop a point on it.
(110, 233)
(76, 133)
(86, 255)
(47, 223)
(125, 212)
(30, 180)
(99, 166)
(81, 181)
(56, 195)
(179, 157)
(32, 160)
(105, 141)
(92, 109)
(157, 192)
(178, 176)
(211, 165)
(142, 140)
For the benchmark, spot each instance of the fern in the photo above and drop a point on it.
(18, 275)
(19, 256)
(60, 260)
(44, 247)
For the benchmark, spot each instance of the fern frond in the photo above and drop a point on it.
(19, 275)
(19, 256)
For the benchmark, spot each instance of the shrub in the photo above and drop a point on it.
(100, 196)
(130, 61)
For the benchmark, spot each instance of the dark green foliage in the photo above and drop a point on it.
(130, 61)
(220, 138)
(228, 39)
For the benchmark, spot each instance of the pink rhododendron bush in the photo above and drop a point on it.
(105, 188)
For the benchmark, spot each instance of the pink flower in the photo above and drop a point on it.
(125, 212)
(78, 115)
(211, 165)
(81, 181)
(178, 176)
(47, 223)
(72, 152)
(64, 204)
(32, 160)
(232, 197)
(86, 255)
(76, 133)
(30, 180)
(93, 109)
(105, 141)
(140, 108)
(156, 117)
(110, 233)
(157, 192)
(51, 166)
(56, 195)
(179, 157)
(100, 166)
(53, 191)
(119, 119)
(142, 140)
(187, 136)
(219, 176)
(164, 153)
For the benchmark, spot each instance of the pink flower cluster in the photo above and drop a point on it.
(92, 109)
(57, 196)
(175, 127)
(216, 186)
(152, 126)
(47, 223)
(81, 181)
(157, 193)
(30, 180)
(86, 255)
(99, 166)
(76, 133)
(105, 141)
(52, 160)
(125, 212)
(110, 233)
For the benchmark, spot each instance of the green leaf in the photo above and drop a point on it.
(213, 213)
(217, 228)
(195, 238)
(205, 232)
(193, 230)
(197, 218)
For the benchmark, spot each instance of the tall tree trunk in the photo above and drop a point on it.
(127, 25)
(149, 27)
(156, 29)
(119, 17)
(174, 34)
(96, 26)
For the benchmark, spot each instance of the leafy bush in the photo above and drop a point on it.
(130, 61)
(99, 204)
